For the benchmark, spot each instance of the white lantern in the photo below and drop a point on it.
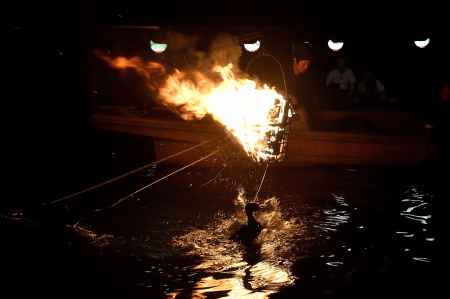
(335, 46)
(422, 43)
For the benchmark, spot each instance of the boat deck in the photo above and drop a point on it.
(306, 147)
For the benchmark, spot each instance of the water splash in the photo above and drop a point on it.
(219, 254)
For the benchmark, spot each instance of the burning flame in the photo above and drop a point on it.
(150, 70)
(248, 110)
(241, 105)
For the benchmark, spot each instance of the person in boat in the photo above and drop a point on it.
(442, 121)
(304, 81)
(273, 65)
(370, 91)
(340, 83)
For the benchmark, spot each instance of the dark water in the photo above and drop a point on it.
(328, 232)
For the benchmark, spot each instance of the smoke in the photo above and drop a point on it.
(178, 41)
(198, 70)
(225, 49)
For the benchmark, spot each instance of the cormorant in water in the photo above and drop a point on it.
(247, 233)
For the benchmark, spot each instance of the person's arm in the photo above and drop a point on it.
(352, 81)
(329, 78)
(380, 86)
(380, 89)
(294, 101)
(361, 89)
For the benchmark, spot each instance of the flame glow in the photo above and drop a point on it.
(251, 112)
(241, 105)
(221, 255)
(150, 70)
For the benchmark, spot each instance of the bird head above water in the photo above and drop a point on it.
(247, 233)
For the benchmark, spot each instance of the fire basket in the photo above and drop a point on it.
(277, 134)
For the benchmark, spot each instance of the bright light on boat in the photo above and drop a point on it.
(335, 46)
(157, 47)
(252, 47)
(422, 43)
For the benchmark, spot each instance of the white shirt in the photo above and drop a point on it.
(343, 80)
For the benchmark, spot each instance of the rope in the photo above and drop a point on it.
(261, 183)
(127, 174)
(215, 177)
(283, 74)
(158, 180)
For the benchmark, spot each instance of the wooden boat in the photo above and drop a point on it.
(401, 137)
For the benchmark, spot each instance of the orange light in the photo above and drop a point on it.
(243, 106)
(250, 111)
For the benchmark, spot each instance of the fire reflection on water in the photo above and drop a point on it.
(238, 271)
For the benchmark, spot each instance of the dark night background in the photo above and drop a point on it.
(45, 84)
(48, 47)
(47, 44)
